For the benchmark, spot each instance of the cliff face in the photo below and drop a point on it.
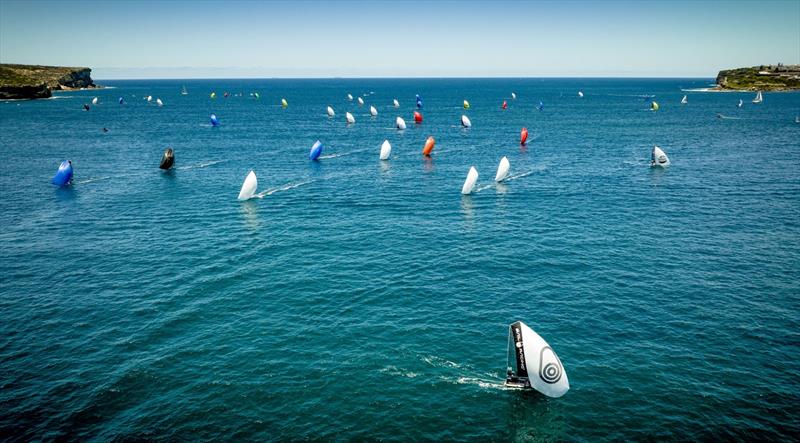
(33, 81)
(760, 78)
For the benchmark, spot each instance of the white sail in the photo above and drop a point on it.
(372, 111)
(465, 121)
(249, 186)
(502, 169)
(396, 103)
(159, 102)
(741, 102)
(349, 117)
(386, 150)
(513, 96)
(659, 158)
(469, 183)
(149, 98)
(758, 98)
(330, 112)
(532, 363)
(580, 94)
(684, 100)
(360, 101)
(350, 97)
(94, 101)
(184, 91)
(400, 123)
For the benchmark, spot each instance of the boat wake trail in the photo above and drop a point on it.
(92, 180)
(463, 374)
(519, 175)
(200, 165)
(481, 188)
(342, 154)
(285, 187)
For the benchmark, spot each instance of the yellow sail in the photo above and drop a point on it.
(466, 104)
(284, 103)
(654, 106)
(213, 95)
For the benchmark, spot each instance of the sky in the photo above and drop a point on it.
(408, 38)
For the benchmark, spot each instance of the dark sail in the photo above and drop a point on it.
(517, 375)
(167, 160)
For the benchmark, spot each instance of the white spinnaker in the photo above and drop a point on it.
(349, 97)
(469, 183)
(249, 186)
(513, 96)
(465, 121)
(684, 100)
(659, 158)
(330, 112)
(372, 111)
(349, 117)
(149, 98)
(360, 101)
(94, 101)
(396, 103)
(545, 371)
(159, 102)
(386, 150)
(502, 169)
(400, 123)
(580, 94)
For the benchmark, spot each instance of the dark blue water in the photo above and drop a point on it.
(366, 299)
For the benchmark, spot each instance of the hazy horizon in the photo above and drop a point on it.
(433, 39)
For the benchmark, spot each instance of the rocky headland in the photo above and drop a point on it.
(760, 78)
(34, 81)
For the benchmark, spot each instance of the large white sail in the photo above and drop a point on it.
(659, 158)
(469, 183)
(249, 187)
(386, 150)
(502, 169)
(532, 363)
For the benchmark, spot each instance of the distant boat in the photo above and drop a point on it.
(386, 150)
(653, 106)
(167, 160)
(430, 143)
(541, 106)
(528, 352)
(349, 117)
(372, 111)
(214, 121)
(86, 107)
(184, 91)
(396, 103)
(466, 104)
(249, 186)
(469, 183)
(256, 95)
(513, 96)
(94, 101)
(284, 103)
(350, 97)
(684, 100)
(659, 158)
(758, 98)
(797, 119)
(580, 94)
(741, 103)
(121, 101)
(360, 101)
(159, 102)
(417, 117)
(502, 169)
(330, 112)
(63, 176)
(316, 150)
(523, 136)
(149, 98)
(419, 102)
(465, 122)
(400, 123)
(504, 105)
(213, 95)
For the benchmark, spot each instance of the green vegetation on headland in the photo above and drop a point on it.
(760, 78)
(33, 81)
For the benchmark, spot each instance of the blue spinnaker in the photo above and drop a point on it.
(316, 150)
(64, 175)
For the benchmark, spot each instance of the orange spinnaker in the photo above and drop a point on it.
(505, 105)
(523, 136)
(429, 144)
(417, 117)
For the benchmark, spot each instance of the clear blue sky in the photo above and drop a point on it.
(197, 39)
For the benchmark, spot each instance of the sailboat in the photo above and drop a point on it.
(430, 143)
(502, 169)
(331, 113)
(465, 122)
(417, 117)
(400, 123)
(159, 102)
(63, 176)
(184, 91)
(360, 101)
(386, 150)
(372, 111)
(349, 117)
(654, 106)
(167, 160)
(741, 102)
(523, 136)
(659, 158)
(466, 104)
(684, 100)
(396, 103)
(758, 98)
(469, 183)
(94, 101)
(532, 363)
(316, 150)
(249, 186)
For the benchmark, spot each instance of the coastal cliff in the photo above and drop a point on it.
(33, 81)
(760, 78)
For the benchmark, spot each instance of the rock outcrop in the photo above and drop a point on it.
(760, 78)
(33, 81)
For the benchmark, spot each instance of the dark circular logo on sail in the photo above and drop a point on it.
(551, 372)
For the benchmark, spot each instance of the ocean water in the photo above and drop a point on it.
(361, 299)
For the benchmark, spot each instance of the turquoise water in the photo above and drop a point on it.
(362, 299)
